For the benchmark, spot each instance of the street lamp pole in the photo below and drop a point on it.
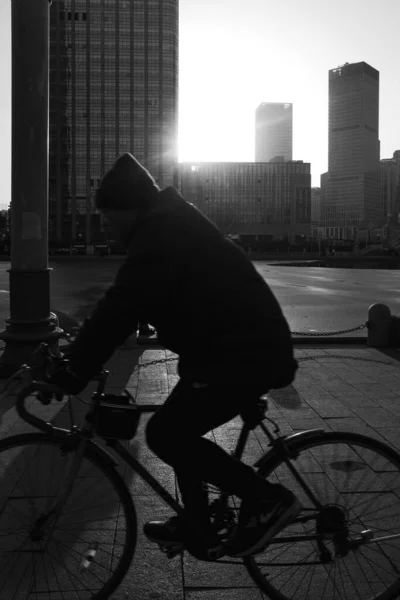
(30, 321)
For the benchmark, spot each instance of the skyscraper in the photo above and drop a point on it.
(113, 89)
(274, 132)
(353, 195)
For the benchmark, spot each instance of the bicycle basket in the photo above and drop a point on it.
(116, 417)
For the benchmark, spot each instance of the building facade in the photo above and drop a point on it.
(315, 210)
(396, 158)
(389, 187)
(113, 89)
(274, 132)
(251, 199)
(353, 187)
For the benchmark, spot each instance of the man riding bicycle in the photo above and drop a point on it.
(210, 306)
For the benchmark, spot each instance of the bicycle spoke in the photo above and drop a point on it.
(49, 566)
(358, 484)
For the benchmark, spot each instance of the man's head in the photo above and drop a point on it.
(126, 193)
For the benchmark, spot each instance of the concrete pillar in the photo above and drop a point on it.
(30, 322)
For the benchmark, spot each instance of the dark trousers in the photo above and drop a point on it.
(175, 434)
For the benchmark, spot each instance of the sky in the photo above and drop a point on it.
(235, 54)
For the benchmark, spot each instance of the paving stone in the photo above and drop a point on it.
(391, 435)
(373, 390)
(354, 401)
(152, 576)
(224, 594)
(327, 406)
(378, 417)
(210, 575)
(392, 405)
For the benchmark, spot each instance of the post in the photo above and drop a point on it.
(30, 321)
(379, 322)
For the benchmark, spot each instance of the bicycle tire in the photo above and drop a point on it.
(375, 468)
(109, 523)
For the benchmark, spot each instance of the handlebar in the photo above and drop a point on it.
(26, 391)
(47, 391)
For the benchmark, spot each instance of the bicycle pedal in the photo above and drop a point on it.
(171, 550)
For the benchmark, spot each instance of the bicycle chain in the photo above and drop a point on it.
(325, 333)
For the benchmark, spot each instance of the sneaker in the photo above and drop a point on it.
(173, 532)
(259, 523)
(146, 330)
(164, 532)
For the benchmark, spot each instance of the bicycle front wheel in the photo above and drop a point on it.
(81, 553)
(346, 542)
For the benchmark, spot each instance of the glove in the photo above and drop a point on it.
(68, 381)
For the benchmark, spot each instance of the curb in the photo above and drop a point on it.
(307, 339)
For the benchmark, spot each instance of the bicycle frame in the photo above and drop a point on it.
(138, 468)
(283, 446)
(83, 436)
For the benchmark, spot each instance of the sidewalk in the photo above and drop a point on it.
(337, 387)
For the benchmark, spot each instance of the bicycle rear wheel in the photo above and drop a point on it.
(84, 553)
(357, 481)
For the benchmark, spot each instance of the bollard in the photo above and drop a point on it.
(378, 325)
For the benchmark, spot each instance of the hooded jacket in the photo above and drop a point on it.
(202, 294)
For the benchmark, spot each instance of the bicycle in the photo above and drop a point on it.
(71, 532)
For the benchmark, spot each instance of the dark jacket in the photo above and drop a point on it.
(204, 296)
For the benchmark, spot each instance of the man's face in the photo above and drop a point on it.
(119, 222)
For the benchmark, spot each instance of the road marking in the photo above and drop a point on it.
(4, 291)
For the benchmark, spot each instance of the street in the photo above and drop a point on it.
(313, 298)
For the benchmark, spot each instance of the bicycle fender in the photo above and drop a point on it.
(303, 435)
(290, 442)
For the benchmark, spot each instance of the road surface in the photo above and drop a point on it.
(313, 298)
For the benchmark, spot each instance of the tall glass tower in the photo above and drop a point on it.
(353, 196)
(274, 132)
(113, 89)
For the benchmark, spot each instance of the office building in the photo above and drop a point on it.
(353, 192)
(113, 89)
(315, 210)
(389, 187)
(274, 132)
(251, 199)
(396, 158)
